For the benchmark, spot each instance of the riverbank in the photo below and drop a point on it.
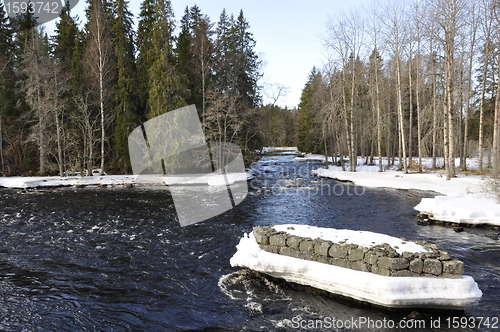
(461, 200)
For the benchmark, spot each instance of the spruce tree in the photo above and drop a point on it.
(195, 55)
(155, 39)
(144, 58)
(247, 63)
(183, 53)
(124, 92)
(307, 131)
(68, 48)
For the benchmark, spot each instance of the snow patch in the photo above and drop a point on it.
(361, 238)
(471, 209)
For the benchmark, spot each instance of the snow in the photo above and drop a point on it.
(369, 176)
(212, 179)
(116, 180)
(361, 238)
(400, 292)
(282, 149)
(470, 209)
(57, 181)
(465, 200)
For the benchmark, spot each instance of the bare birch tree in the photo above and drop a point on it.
(99, 60)
(375, 30)
(394, 21)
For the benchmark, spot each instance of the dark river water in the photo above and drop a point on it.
(116, 259)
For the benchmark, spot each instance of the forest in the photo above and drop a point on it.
(69, 101)
(405, 80)
(402, 81)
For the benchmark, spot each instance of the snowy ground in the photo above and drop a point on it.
(118, 180)
(364, 286)
(465, 199)
(57, 181)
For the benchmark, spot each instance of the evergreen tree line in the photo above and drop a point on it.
(70, 101)
(408, 80)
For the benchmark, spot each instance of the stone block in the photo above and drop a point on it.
(271, 249)
(339, 262)
(293, 242)
(380, 270)
(370, 258)
(453, 267)
(444, 256)
(260, 234)
(416, 265)
(321, 248)
(338, 251)
(287, 251)
(433, 266)
(324, 259)
(409, 255)
(278, 240)
(306, 255)
(393, 263)
(356, 254)
(390, 251)
(359, 266)
(404, 273)
(307, 246)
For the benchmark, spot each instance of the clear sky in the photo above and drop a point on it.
(288, 35)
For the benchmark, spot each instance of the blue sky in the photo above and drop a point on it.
(288, 35)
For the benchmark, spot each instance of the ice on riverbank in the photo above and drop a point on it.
(464, 200)
(396, 292)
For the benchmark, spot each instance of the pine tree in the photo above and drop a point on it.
(124, 91)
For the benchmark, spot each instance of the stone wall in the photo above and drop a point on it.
(380, 259)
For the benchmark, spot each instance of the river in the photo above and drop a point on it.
(116, 258)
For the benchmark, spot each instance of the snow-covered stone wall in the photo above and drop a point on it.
(380, 259)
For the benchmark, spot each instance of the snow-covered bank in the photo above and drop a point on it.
(57, 181)
(476, 209)
(368, 176)
(212, 179)
(397, 292)
(464, 202)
